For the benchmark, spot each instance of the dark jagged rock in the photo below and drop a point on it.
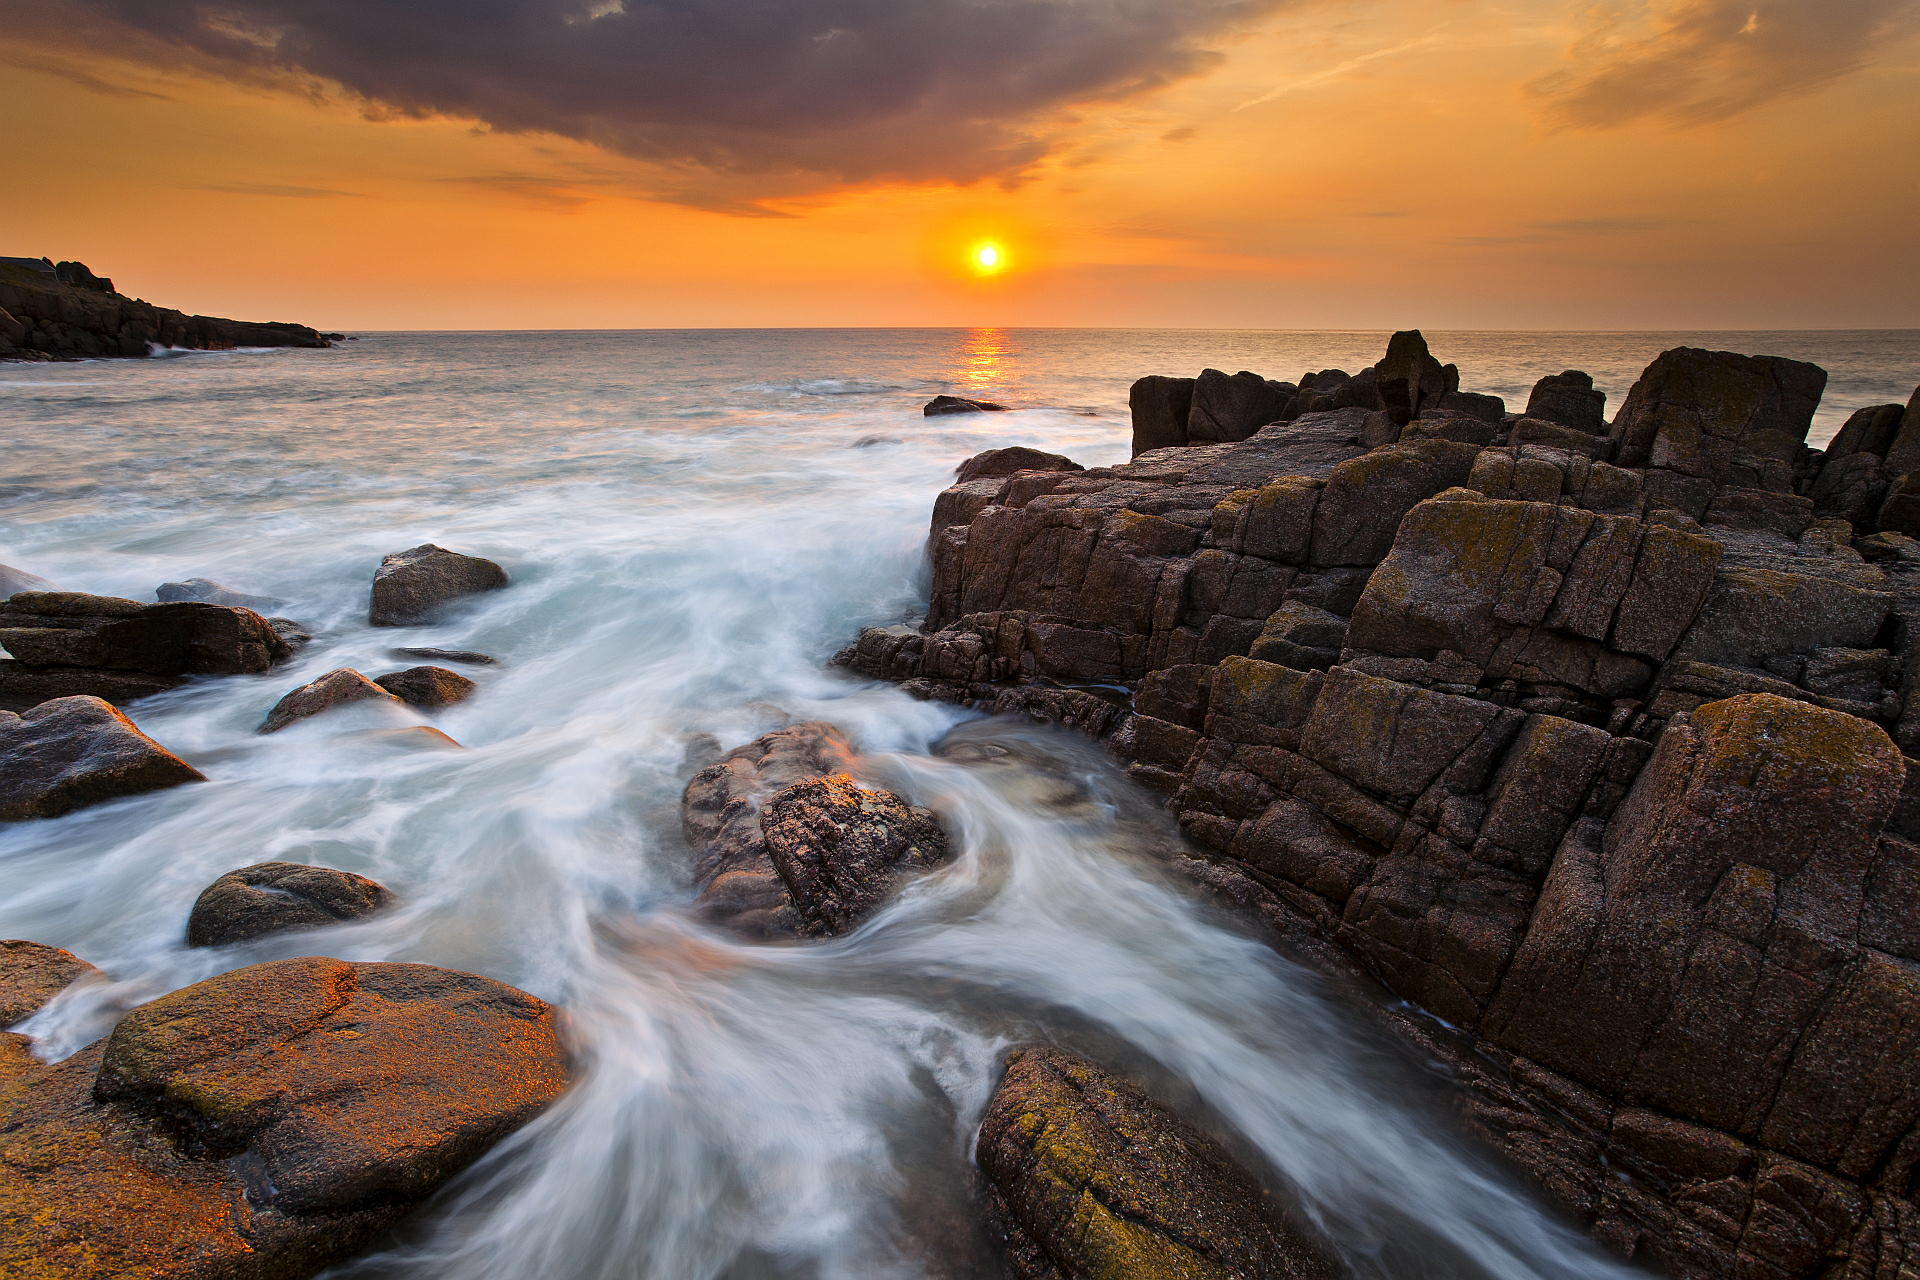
(1230, 407)
(68, 313)
(277, 897)
(31, 974)
(412, 587)
(207, 591)
(941, 405)
(266, 1123)
(65, 643)
(427, 688)
(1089, 1179)
(1569, 399)
(786, 844)
(467, 656)
(1404, 679)
(334, 689)
(1160, 408)
(1007, 462)
(69, 753)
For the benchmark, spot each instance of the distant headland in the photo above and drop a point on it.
(63, 311)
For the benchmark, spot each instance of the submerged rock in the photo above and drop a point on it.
(940, 405)
(207, 591)
(467, 656)
(266, 1123)
(334, 689)
(31, 974)
(69, 753)
(427, 688)
(1090, 1179)
(277, 897)
(412, 587)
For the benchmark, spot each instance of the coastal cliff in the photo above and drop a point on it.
(1587, 740)
(65, 312)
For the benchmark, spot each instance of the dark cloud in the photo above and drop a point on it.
(1709, 60)
(835, 90)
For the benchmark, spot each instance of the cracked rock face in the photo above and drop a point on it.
(1591, 740)
(267, 1122)
(276, 897)
(1089, 1179)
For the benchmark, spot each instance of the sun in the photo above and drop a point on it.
(987, 258)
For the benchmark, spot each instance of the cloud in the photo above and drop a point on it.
(273, 189)
(1700, 61)
(834, 90)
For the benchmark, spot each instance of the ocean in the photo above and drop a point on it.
(694, 522)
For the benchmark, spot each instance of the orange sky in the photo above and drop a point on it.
(1449, 164)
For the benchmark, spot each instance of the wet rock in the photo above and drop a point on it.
(466, 656)
(412, 587)
(941, 405)
(278, 897)
(207, 591)
(1089, 1179)
(1160, 407)
(334, 689)
(788, 845)
(31, 974)
(13, 581)
(268, 1122)
(1569, 399)
(70, 635)
(69, 753)
(428, 688)
(1230, 407)
(1729, 418)
(1006, 462)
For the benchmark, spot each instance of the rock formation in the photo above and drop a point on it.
(265, 1123)
(334, 689)
(32, 974)
(65, 643)
(69, 313)
(1089, 1179)
(1587, 739)
(412, 587)
(788, 845)
(427, 688)
(69, 753)
(275, 897)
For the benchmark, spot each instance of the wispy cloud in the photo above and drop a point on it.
(1699, 61)
(66, 70)
(1341, 70)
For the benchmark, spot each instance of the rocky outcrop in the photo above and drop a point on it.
(1089, 1179)
(69, 753)
(334, 689)
(942, 405)
(265, 1123)
(1589, 742)
(277, 897)
(413, 587)
(788, 845)
(70, 313)
(427, 688)
(31, 974)
(65, 643)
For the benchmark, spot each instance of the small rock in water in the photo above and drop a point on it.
(868, 442)
(411, 587)
(841, 849)
(960, 404)
(334, 689)
(207, 591)
(73, 752)
(31, 974)
(467, 656)
(292, 634)
(275, 897)
(428, 688)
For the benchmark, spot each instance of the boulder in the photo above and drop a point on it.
(278, 897)
(1410, 379)
(31, 974)
(942, 405)
(412, 587)
(207, 591)
(1569, 399)
(1230, 407)
(69, 753)
(1160, 407)
(1006, 462)
(14, 581)
(1090, 1179)
(334, 689)
(1727, 418)
(67, 629)
(427, 688)
(266, 1123)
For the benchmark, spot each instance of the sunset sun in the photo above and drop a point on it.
(987, 258)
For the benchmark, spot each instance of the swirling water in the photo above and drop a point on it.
(694, 521)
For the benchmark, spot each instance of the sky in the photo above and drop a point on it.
(573, 164)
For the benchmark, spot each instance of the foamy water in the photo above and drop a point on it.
(693, 523)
